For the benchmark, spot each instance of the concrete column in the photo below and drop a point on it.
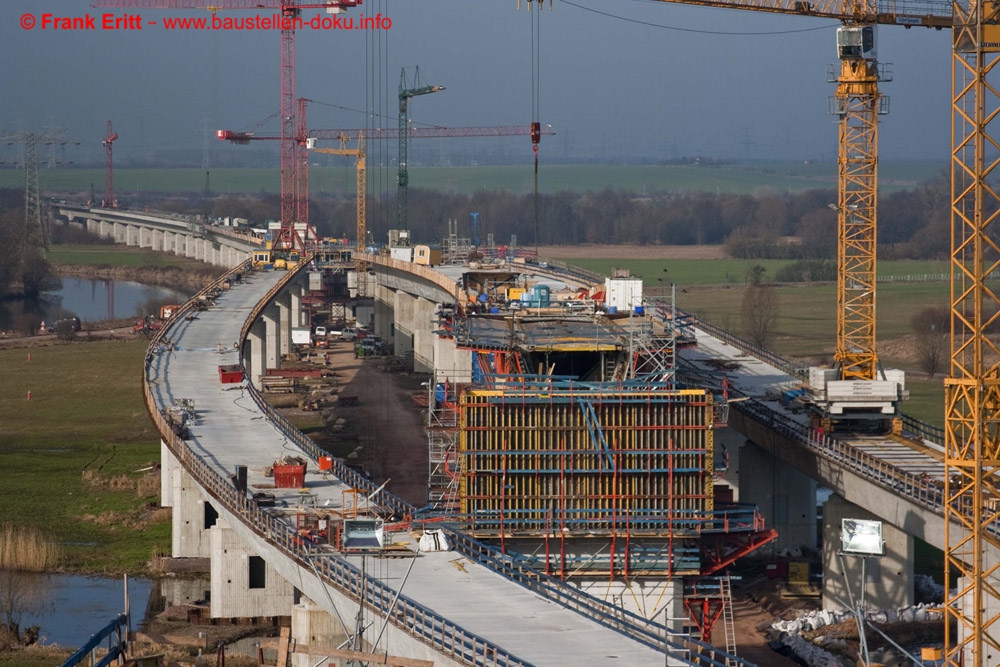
(189, 245)
(145, 237)
(313, 626)
(93, 226)
(888, 580)
(121, 232)
(272, 337)
(385, 316)
(450, 363)
(131, 235)
(400, 334)
(295, 304)
(255, 360)
(192, 517)
(243, 585)
(107, 230)
(168, 464)
(285, 318)
(157, 243)
(423, 337)
(786, 497)
(199, 248)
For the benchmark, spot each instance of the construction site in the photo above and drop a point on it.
(564, 431)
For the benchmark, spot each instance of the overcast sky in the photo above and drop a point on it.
(719, 83)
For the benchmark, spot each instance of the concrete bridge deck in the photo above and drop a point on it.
(231, 430)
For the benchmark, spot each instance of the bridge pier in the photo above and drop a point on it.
(785, 496)
(193, 516)
(157, 242)
(255, 359)
(450, 363)
(272, 337)
(244, 584)
(404, 323)
(285, 319)
(145, 237)
(313, 626)
(888, 580)
(131, 236)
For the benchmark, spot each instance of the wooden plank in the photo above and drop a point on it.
(283, 647)
(333, 652)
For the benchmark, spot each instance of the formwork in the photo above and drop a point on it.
(584, 460)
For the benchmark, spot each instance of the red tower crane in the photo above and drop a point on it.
(109, 173)
(288, 238)
(302, 138)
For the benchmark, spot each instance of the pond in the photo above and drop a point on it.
(74, 607)
(90, 300)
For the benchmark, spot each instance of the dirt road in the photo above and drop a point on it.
(386, 423)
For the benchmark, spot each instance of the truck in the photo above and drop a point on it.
(300, 336)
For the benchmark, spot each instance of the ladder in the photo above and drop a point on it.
(728, 624)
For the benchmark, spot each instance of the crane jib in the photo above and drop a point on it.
(921, 13)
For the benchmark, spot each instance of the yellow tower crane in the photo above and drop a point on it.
(972, 390)
(361, 267)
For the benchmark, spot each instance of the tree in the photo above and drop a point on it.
(37, 275)
(931, 327)
(759, 312)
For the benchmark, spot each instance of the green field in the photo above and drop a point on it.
(112, 255)
(85, 415)
(688, 272)
(730, 179)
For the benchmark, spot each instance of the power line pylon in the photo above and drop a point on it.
(35, 229)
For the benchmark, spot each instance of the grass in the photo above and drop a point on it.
(85, 415)
(687, 272)
(113, 255)
(729, 179)
(806, 329)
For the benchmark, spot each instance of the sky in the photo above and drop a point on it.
(618, 79)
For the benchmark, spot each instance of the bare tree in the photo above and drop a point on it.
(759, 312)
(21, 594)
(931, 326)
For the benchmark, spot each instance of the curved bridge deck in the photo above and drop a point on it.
(453, 603)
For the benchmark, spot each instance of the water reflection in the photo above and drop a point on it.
(90, 300)
(73, 607)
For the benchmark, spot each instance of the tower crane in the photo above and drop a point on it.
(291, 152)
(857, 103)
(358, 152)
(406, 93)
(109, 174)
(972, 389)
(304, 137)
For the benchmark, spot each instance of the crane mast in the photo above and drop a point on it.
(972, 390)
(361, 267)
(406, 93)
(857, 103)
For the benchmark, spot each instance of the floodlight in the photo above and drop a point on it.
(861, 537)
(363, 534)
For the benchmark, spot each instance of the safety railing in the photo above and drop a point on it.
(116, 632)
(643, 630)
(416, 620)
(922, 491)
(799, 372)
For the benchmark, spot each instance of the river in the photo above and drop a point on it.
(88, 300)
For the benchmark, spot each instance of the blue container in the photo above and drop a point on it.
(494, 310)
(612, 310)
(439, 394)
(639, 310)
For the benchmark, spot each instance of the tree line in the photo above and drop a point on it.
(912, 224)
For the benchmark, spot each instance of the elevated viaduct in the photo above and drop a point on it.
(898, 482)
